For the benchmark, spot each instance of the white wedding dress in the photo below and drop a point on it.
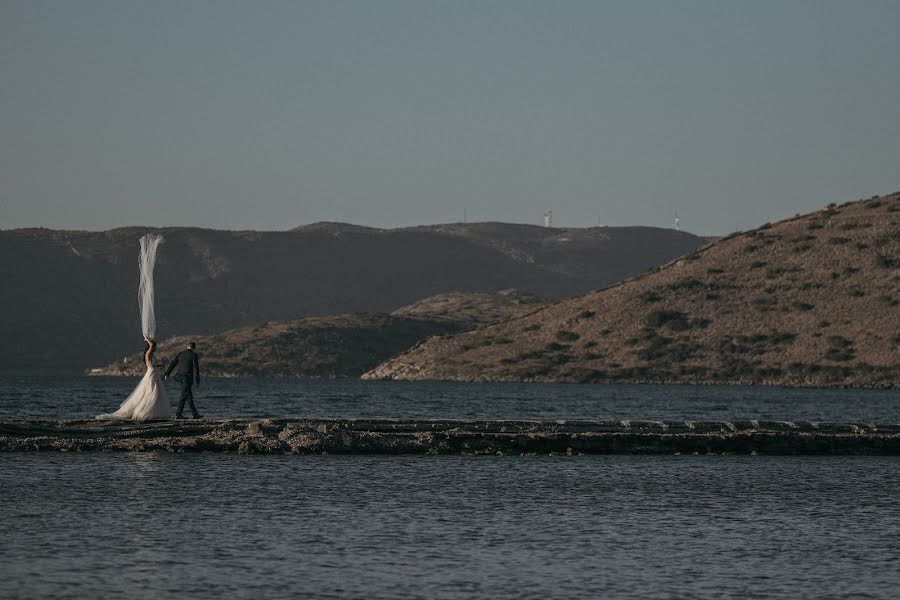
(148, 400)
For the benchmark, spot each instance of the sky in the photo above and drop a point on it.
(269, 115)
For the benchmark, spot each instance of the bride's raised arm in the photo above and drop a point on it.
(151, 348)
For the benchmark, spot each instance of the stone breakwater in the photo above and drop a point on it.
(439, 436)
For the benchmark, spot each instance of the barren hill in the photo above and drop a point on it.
(813, 300)
(335, 346)
(68, 298)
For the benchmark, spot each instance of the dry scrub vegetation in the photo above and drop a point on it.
(808, 301)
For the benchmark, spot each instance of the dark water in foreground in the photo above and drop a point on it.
(230, 526)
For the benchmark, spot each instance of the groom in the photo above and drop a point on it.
(188, 369)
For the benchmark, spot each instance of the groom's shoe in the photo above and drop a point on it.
(177, 417)
(197, 416)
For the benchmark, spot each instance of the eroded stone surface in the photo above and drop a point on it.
(443, 436)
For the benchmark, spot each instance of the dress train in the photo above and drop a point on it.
(148, 400)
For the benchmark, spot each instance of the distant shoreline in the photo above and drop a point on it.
(620, 382)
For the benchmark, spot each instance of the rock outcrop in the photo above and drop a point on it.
(399, 436)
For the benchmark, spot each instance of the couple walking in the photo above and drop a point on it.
(149, 399)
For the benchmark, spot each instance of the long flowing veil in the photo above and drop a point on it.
(149, 399)
(147, 260)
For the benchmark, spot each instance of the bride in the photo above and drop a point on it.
(149, 399)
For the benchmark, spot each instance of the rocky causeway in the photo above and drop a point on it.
(454, 437)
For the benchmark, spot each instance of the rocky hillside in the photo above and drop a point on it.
(471, 309)
(813, 300)
(335, 346)
(68, 298)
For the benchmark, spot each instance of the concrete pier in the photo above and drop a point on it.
(441, 436)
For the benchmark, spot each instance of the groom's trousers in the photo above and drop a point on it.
(187, 395)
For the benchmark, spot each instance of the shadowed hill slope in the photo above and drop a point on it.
(68, 298)
(813, 300)
(335, 346)
(326, 347)
(472, 309)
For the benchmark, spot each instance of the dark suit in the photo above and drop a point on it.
(187, 370)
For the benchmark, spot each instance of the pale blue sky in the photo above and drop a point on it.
(273, 114)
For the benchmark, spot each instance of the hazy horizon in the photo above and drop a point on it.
(272, 115)
(390, 227)
(292, 227)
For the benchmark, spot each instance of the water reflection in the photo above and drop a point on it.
(145, 462)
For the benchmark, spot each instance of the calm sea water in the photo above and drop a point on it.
(218, 526)
(84, 397)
